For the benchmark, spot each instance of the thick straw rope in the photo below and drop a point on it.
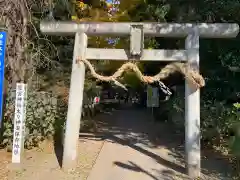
(192, 76)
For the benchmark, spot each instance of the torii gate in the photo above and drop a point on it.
(137, 31)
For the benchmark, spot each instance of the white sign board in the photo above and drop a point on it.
(152, 96)
(19, 122)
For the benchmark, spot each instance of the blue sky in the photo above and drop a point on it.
(111, 1)
(112, 40)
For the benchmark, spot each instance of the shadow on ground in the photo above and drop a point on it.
(86, 126)
(135, 128)
(167, 174)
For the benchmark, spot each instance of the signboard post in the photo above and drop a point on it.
(19, 122)
(3, 40)
(152, 96)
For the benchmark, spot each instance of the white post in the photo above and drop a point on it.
(75, 104)
(19, 122)
(192, 110)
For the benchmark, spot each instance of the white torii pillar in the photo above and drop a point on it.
(192, 32)
(192, 109)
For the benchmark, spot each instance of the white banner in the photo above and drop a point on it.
(19, 122)
(152, 96)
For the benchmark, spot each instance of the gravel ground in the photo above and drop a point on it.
(41, 163)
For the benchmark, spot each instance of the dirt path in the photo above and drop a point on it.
(43, 164)
(129, 145)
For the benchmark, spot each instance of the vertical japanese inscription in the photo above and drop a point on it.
(18, 136)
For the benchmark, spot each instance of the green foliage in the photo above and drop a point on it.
(45, 116)
(42, 117)
(217, 120)
(237, 106)
(235, 140)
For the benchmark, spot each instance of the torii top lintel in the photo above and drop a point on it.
(206, 30)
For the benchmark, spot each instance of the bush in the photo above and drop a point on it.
(217, 119)
(43, 114)
(173, 109)
(45, 117)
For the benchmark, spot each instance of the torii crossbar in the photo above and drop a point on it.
(136, 31)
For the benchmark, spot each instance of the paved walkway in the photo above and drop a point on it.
(137, 148)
